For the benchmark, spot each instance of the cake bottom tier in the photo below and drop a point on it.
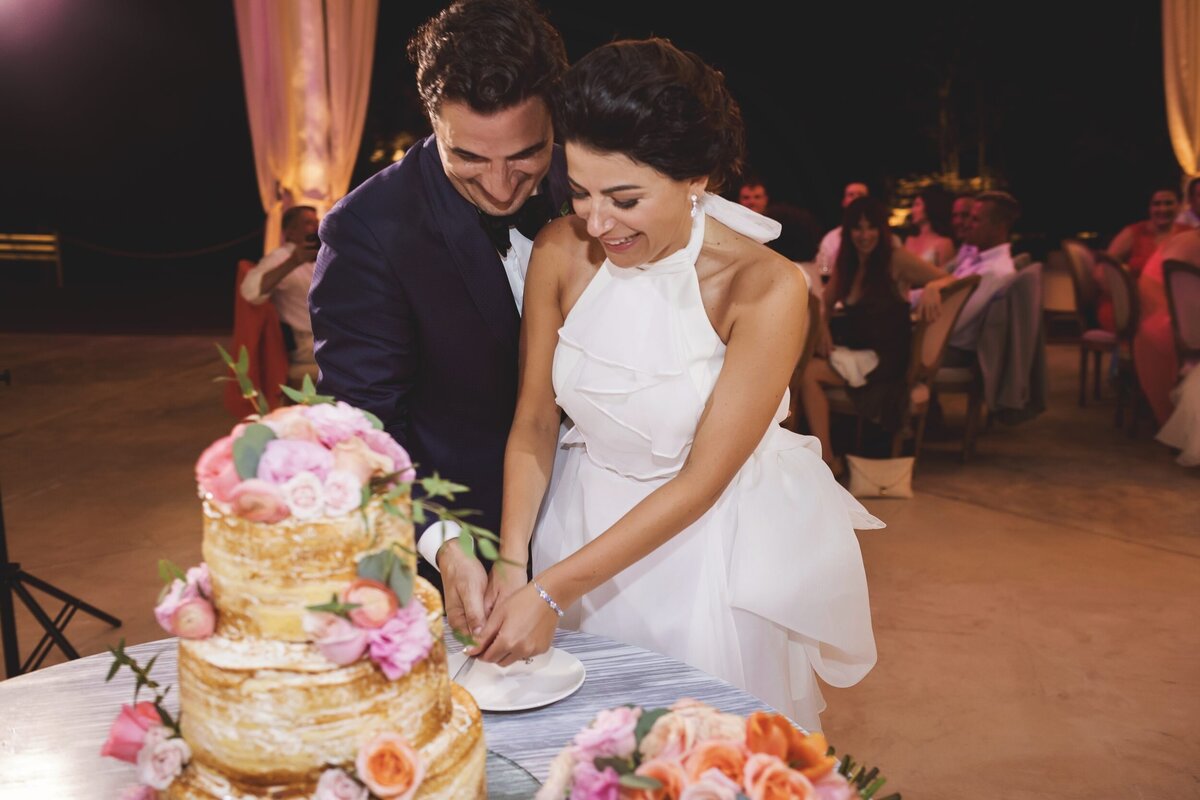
(455, 761)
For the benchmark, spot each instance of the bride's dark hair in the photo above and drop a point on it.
(657, 104)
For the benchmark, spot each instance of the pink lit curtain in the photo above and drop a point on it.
(1181, 77)
(306, 68)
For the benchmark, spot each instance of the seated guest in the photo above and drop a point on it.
(1154, 355)
(960, 216)
(930, 219)
(1190, 215)
(866, 331)
(828, 249)
(1136, 242)
(753, 194)
(284, 276)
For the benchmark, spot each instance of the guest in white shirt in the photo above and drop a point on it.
(827, 252)
(960, 216)
(1190, 215)
(284, 276)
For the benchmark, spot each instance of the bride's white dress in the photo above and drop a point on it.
(768, 586)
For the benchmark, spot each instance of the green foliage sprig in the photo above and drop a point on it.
(122, 659)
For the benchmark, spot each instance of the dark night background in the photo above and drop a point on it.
(124, 125)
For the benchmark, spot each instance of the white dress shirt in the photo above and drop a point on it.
(290, 296)
(993, 266)
(516, 265)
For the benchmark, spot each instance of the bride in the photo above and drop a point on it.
(681, 517)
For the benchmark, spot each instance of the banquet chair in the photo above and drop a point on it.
(1182, 283)
(928, 347)
(1093, 340)
(810, 344)
(1123, 291)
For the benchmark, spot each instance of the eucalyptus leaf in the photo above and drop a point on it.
(631, 781)
(228, 359)
(291, 393)
(467, 543)
(621, 766)
(249, 447)
(401, 581)
(418, 513)
(646, 722)
(243, 362)
(464, 638)
(376, 566)
(488, 550)
(436, 486)
(334, 606)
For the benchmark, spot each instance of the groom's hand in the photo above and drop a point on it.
(464, 581)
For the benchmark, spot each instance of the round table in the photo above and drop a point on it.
(54, 721)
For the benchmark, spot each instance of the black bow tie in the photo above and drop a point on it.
(528, 219)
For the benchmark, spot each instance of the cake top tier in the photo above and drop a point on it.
(306, 461)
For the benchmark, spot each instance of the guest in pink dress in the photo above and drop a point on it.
(1136, 242)
(1154, 353)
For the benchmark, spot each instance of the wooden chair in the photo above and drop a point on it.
(810, 344)
(1182, 283)
(928, 347)
(1092, 340)
(1123, 290)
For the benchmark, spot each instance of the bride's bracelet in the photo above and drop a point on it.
(542, 593)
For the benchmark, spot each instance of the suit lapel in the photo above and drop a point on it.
(473, 255)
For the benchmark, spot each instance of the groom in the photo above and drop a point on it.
(417, 293)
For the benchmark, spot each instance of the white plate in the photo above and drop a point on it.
(552, 676)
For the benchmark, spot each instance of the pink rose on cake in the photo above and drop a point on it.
(161, 758)
(383, 443)
(304, 495)
(259, 501)
(289, 422)
(283, 459)
(336, 784)
(401, 642)
(185, 608)
(390, 767)
(342, 491)
(216, 474)
(355, 455)
(336, 422)
(336, 637)
(128, 732)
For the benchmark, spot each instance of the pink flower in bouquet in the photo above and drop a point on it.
(343, 493)
(258, 501)
(833, 786)
(609, 735)
(402, 641)
(138, 792)
(354, 455)
(336, 784)
(336, 422)
(305, 496)
(709, 723)
(336, 637)
(128, 732)
(390, 767)
(712, 786)
(289, 422)
(668, 772)
(162, 759)
(590, 783)
(768, 778)
(216, 474)
(177, 593)
(382, 442)
(193, 619)
(283, 459)
(728, 758)
(200, 577)
(671, 736)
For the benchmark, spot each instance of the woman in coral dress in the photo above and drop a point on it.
(1154, 355)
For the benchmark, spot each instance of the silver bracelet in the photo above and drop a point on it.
(542, 593)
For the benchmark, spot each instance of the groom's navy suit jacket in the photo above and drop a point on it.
(414, 321)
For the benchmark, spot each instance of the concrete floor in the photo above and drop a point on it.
(1031, 608)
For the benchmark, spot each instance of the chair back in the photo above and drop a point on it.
(1123, 291)
(1182, 283)
(1087, 293)
(930, 338)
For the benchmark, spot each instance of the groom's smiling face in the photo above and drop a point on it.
(495, 160)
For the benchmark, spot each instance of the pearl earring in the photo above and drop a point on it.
(695, 205)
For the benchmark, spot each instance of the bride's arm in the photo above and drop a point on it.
(765, 339)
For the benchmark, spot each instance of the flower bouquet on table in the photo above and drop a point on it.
(692, 751)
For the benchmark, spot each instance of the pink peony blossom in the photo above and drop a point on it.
(216, 474)
(590, 783)
(609, 735)
(336, 637)
(336, 784)
(193, 619)
(258, 501)
(200, 578)
(162, 759)
(382, 442)
(128, 732)
(178, 592)
(832, 786)
(343, 493)
(138, 792)
(402, 641)
(305, 496)
(336, 422)
(283, 459)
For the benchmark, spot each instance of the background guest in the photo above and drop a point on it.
(1136, 242)
(753, 194)
(828, 249)
(1154, 355)
(1190, 215)
(960, 215)
(930, 219)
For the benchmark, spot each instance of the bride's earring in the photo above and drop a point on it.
(695, 205)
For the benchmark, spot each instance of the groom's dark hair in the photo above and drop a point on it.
(489, 54)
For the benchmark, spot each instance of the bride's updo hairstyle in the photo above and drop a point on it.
(658, 105)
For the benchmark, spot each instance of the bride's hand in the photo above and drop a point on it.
(504, 581)
(520, 627)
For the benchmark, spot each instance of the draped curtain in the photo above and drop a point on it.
(306, 68)
(1181, 77)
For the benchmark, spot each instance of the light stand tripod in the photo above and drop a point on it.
(12, 582)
